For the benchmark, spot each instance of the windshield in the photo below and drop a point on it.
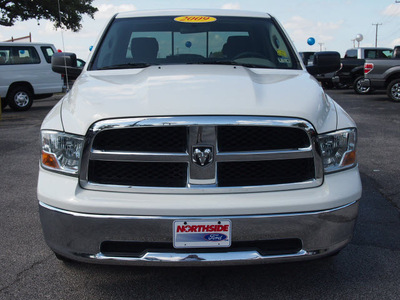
(146, 41)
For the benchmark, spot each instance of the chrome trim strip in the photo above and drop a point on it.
(139, 156)
(201, 189)
(226, 257)
(264, 155)
(129, 217)
(208, 184)
(200, 121)
(184, 157)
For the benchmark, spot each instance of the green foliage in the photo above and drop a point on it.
(71, 12)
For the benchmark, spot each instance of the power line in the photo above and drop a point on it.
(385, 36)
(389, 36)
(386, 19)
(376, 33)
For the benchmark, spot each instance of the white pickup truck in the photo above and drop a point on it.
(26, 74)
(197, 137)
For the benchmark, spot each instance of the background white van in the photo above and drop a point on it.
(25, 74)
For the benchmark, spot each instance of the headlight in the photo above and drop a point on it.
(338, 149)
(61, 151)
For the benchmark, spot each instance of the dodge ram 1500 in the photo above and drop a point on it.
(197, 137)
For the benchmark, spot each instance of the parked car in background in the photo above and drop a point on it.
(384, 75)
(26, 74)
(352, 70)
(325, 79)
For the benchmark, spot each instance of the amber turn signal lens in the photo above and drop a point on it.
(349, 159)
(49, 160)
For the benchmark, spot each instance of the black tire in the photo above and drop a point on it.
(393, 90)
(20, 98)
(358, 88)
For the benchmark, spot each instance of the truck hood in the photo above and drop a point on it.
(179, 90)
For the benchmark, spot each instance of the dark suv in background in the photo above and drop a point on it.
(352, 71)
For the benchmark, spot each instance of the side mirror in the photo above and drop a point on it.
(65, 63)
(325, 62)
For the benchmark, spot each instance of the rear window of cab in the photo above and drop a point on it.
(144, 41)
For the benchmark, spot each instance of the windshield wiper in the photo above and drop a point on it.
(127, 66)
(229, 63)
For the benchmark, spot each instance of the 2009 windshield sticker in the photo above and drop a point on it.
(195, 19)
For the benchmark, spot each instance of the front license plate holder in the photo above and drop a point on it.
(202, 233)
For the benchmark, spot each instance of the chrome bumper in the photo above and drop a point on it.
(79, 236)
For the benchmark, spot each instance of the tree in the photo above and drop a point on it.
(71, 12)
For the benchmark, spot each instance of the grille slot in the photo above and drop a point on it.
(148, 139)
(251, 138)
(252, 173)
(138, 173)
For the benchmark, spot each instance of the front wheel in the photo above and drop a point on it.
(20, 98)
(393, 90)
(358, 88)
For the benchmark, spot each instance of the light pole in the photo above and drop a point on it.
(376, 33)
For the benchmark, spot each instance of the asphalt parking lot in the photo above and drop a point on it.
(368, 268)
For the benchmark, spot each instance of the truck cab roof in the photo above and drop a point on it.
(193, 12)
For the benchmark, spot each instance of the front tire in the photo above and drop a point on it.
(393, 90)
(20, 98)
(360, 89)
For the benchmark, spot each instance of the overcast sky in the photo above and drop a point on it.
(333, 23)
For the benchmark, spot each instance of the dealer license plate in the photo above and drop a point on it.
(202, 234)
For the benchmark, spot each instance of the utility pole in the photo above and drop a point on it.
(376, 33)
(320, 46)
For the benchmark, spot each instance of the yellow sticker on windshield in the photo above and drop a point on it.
(195, 19)
(281, 53)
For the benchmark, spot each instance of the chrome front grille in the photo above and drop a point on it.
(212, 154)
